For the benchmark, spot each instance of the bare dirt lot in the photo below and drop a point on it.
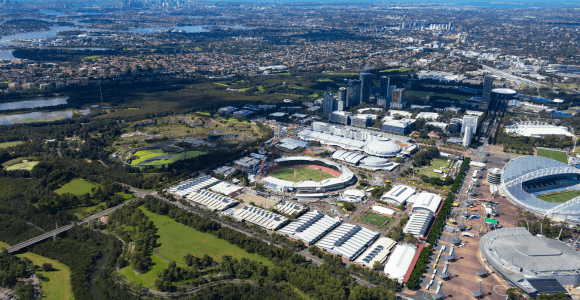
(258, 200)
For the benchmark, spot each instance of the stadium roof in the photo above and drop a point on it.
(418, 225)
(260, 217)
(382, 148)
(504, 91)
(526, 164)
(364, 161)
(376, 252)
(289, 208)
(398, 194)
(400, 261)
(427, 202)
(519, 256)
(547, 285)
(310, 227)
(211, 200)
(348, 240)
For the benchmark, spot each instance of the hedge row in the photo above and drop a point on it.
(413, 282)
(460, 174)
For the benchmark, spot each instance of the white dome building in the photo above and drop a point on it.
(382, 147)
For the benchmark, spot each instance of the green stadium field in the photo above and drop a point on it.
(302, 174)
(376, 220)
(560, 156)
(559, 197)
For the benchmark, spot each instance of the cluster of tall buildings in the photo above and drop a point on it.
(358, 91)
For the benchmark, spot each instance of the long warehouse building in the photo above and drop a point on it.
(186, 187)
(310, 227)
(211, 200)
(260, 217)
(376, 252)
(348, 241)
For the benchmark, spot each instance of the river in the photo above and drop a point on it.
(34, 103)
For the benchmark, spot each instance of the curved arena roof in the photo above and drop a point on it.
(527, 168)
(382, 147)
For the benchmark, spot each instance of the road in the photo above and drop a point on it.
(49, 234)
(510, 77)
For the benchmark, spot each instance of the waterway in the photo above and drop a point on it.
(9, 40)
(35, 117)
(6, 54)
(188, 29)
(34, 103)
(94, 290)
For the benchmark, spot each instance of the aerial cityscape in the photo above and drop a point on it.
(155, 149)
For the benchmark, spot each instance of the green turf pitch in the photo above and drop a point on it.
(302, 174)
(375, 219)
(560, 197)
(560, 156)
(76, 187)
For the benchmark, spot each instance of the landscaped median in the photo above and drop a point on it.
(436, 229)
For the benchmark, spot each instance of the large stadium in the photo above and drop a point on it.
(535, 264)
(303, 174)
(543, 186)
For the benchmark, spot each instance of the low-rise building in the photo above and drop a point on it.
(379, 251)
(310, 227)
(260, 217)
(398, 194)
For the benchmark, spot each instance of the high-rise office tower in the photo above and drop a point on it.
(365, 87)
(469, 121)
(353, 93)
(467, 137)
(384, 87)
(487, 86)
(398, 100)
(341, 98)
(327, 105)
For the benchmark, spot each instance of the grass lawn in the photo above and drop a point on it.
(301, 175)
(401, 69)
(418, 94)
(76, 187)
(10, 144)
(59, 286)
(177, 240)
(203, 113)
(436, 164)
(451, 96)
(560, 197)
(24, 165)
(560, 156)
(149, 154)
(376, 220)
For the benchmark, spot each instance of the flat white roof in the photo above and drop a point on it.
(383, 210)
(398, 194)
(376, 252)
(310, 227)
(400, 261)
(348, 240)
(226, 188)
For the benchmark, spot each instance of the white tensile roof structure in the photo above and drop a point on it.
(310, 227)
(399, 194)
(427, 203)
(226, 188)
(400, 261)
(376, 252)
(260, 217)
(348, 241)
(211, 200)
(383, 210)
(353, 195)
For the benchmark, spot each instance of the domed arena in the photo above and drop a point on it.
(382, 147)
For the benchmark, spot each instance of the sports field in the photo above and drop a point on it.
(376, 220)
(560, 156)
(560, 197)
(24, 165)
(10, 144)
(76, 187)
(150, 154)
(177, 240)
(302, 174)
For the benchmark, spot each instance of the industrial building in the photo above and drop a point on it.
(398, 194)
(398, 127)
(212, 201)
(347, 241)
(310, 227)
(535, 264)
(227, 189)
(426, 203)
(538, 130)
(400, 261)
(379, 251)
(186, 187)
(418, 225)
(289, 208)
(261, 217)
